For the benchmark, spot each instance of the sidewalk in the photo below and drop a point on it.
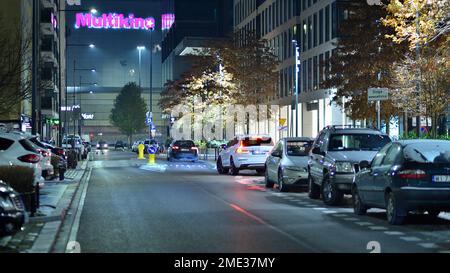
(40, 232)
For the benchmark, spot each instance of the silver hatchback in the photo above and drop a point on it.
(287, 163)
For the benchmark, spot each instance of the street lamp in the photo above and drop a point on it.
(74, 89)
(94, 11)
(297, 71)
(140, 48)
(91, 45)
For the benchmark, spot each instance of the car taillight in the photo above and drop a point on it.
(175, 147)
(194, 148)
(240, 150)
(29, 158)
(413, 174)
(61, 152)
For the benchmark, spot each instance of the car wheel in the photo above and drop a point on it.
(313, 189)
(269, 184)
(358, 206)
(331, 195)
(433, 212)
(395, 215)
(220, 168)
(281, 186)
(233, 169)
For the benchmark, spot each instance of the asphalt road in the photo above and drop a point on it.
(188, 207)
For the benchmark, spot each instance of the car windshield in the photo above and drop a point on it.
(184, 143)
(428, 152)
(298, 148)
(257, 141)
(358, 142)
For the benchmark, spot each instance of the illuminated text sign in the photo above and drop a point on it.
(114, 21)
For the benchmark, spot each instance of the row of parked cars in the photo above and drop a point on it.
(400, 176)
(46, 160)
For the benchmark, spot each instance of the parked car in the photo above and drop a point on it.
(334, 160)
(12, 211)
(287, 163)
(74, 142)
(182, 149)
(119, 145)
(405, 176)
(16, 149)
(46, 153)
(245, 152)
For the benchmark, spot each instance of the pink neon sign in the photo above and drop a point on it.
(114, 21)
(167, 20)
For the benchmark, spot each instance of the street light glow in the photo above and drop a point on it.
(93, 70)
(94, 11)
(91, 45)
(141, 48)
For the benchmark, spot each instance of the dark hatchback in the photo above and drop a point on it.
(12, 213)
(405, 176)
(183, 149)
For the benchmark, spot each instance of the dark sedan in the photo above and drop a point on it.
(405, 176)
(184, 150)
(12, 213)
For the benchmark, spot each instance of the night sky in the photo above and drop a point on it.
(115, 56)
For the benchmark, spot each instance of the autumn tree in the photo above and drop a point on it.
(423, 77)
(128, 113)
(362, 59)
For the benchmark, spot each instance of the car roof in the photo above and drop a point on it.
(356, 131)
(298, 139)
(12, 136)
(419, 141)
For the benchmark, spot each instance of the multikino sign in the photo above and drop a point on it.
(114, 21)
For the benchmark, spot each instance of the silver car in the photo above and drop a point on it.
(287, 163)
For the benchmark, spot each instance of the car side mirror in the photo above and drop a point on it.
(276, 154)
(364, 165)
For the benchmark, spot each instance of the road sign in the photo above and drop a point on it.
(377, 94)
(151, 150)
(282, 121)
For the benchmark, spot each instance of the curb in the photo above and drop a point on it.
(55, 222)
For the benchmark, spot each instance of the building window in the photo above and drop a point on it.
(320, 26)
(315, 29)
(327, 65)
(304, 31)
(304, 5)
(310, 74)
(309, 32)
(304, 69)
(321, 64)
(327, 23)
(315, 76)
(334, 22)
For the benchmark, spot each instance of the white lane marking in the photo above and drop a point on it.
(378, 228)
(329, 211)
(428, 245)
(411, 239)
(351, 219)
(344, 210)
(340, 215)
(320, 208)
(394, 233)
(364, 223)
(311, 206)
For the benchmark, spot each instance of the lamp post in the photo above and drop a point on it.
(140, 48)
(74, 89)
(297, 71)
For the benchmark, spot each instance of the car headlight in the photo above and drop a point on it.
(344, 167)
(6, 203)
(106, 145)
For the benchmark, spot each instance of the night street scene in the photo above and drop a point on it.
(254, 128)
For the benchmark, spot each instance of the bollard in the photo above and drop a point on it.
(151, 159)
(141, 148)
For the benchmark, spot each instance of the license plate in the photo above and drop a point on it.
(441, 178)
(185, 150)
(258, 152)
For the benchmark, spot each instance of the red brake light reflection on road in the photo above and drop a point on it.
(30, 158)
